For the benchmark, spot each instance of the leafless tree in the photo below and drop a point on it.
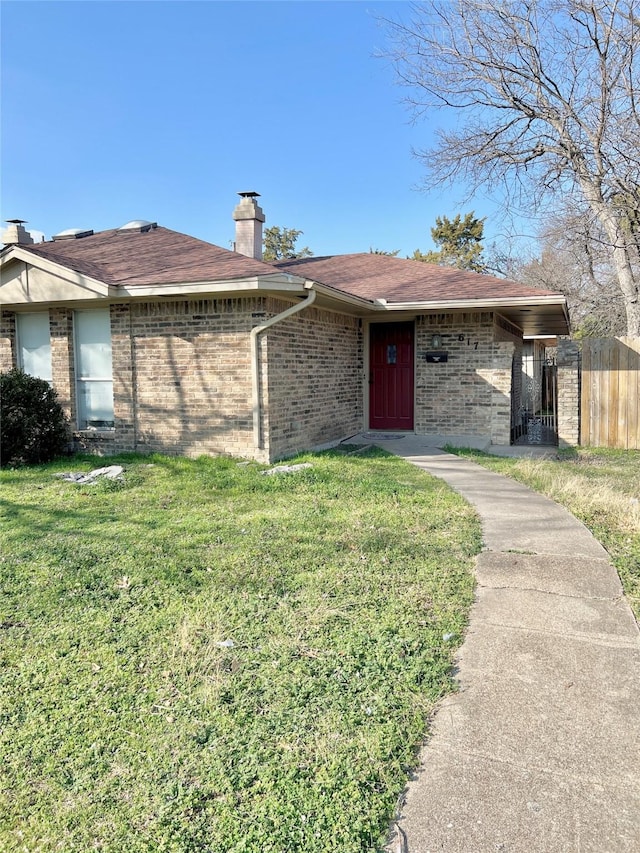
(574, 258)
(547, 97)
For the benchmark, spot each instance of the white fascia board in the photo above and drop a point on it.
(478, 304)
(290, 284)
(89, 288)
(341, 296)
(15, 253)
(282, 279)
(55, 269)
(278, 283)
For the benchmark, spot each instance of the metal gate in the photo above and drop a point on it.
(534, 400)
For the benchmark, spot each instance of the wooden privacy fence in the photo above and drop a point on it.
(610, 396)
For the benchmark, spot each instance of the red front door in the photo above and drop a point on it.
(391, 376)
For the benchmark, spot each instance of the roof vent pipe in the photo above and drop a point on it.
(16, 233)
(249, 218)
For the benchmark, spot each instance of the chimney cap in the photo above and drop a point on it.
(15, 234)
(249, 195)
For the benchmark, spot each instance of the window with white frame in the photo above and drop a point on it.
(34, 344)
(94, 379)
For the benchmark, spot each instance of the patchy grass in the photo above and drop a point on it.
(600, 487)
(205, 659)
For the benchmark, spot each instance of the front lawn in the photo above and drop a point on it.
(600, 487)
(204, 658)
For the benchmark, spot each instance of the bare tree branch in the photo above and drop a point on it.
(547, 96)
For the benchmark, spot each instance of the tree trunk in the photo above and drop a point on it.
(627, 281)
(633, 319)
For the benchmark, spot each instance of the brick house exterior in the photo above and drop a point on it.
(209, 351)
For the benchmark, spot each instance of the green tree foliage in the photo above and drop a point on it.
(33, 427)
(393, 254)
(280, 244)
(459, 243)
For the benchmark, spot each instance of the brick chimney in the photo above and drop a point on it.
(249, 218)
(16, 233)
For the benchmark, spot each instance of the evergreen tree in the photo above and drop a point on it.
(393, 254)
(459, 243)
(280, 244)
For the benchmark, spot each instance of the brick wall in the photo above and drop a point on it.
(123, 370)
(506, 332)
(189, 364)
(62, 359)
(7, 341)
(510, 380)
(182, 376)
(469, 394)
(499, 378)
(314, 379)
(451, 397)
(568, 361)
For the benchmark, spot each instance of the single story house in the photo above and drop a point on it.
(157, 341)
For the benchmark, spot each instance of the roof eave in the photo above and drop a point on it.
(337, 296)
(496, 302)
(251, 284)
(547, 315)
(89, 288)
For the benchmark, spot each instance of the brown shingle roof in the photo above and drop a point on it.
(372, 276)
(159, 256)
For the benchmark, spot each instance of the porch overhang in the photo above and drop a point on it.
(540, 316)
(545, 315)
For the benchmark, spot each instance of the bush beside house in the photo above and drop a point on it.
(33, 427)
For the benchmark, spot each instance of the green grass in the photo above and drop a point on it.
(127, 720)
(600, 487)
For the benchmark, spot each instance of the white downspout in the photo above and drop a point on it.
(255, 365)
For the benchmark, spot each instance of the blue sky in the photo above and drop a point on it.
(163, 110)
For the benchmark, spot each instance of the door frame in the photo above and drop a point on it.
(367, 364)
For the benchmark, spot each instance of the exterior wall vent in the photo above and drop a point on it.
(72, 234)
(140, 225)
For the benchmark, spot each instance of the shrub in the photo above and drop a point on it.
(33, 427)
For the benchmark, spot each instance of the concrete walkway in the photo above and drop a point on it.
(540, 748)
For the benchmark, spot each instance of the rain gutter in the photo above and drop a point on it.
(496, 302)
